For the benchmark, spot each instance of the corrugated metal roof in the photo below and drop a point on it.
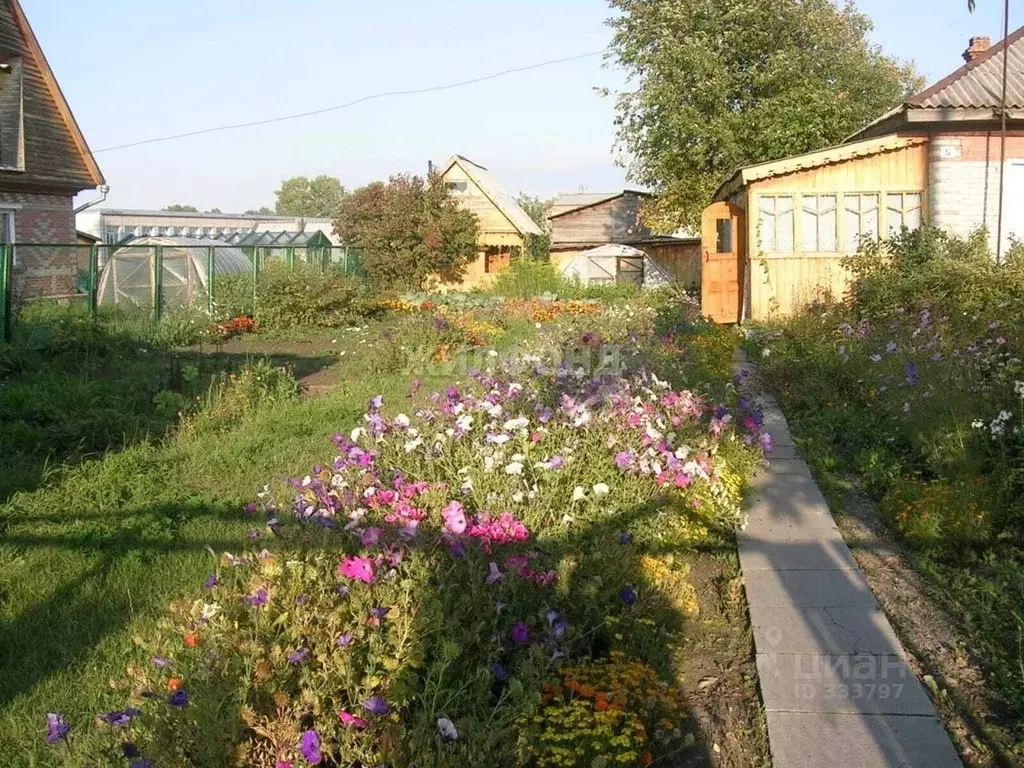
(491, 187)
(978, 84)
(571, 202)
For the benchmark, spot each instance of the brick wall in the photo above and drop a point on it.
(42, 219)
(964, 181)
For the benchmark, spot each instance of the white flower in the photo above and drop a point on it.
(600, 489)
(494, 411)
(356, 434)
(537, 326)
(402, 420)
(514, 468)
(447, 729)
(467, 485)
(652, 433)
(578, 493)
(210, 610)
(582, 420)
(978, 424)
(1018, 387)
(765, 352)
(517, 497)
(519, 423)
(492, 353)
(488, 463)
(412, 445)
(464, 422)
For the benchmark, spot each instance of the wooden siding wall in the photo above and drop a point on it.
(492, 220)
(782, 283)
(681, 260)
(51, 156)
(613, 221)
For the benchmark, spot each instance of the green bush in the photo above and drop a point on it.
(526, 279)
(300, 297)
(232, 396)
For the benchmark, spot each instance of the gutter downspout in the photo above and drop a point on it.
(104, 191)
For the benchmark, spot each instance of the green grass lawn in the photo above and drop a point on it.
(91, 558)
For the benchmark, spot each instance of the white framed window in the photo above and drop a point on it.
(818, 222)
(903, 209)
(775, 223)
(860, 219)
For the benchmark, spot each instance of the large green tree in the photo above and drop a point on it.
(538, 246)
(178, 208)
(319, 197)
(718, 84)
(408, 231)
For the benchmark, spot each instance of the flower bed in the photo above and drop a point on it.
(485, 579)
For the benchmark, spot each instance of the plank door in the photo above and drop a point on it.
(722, 255)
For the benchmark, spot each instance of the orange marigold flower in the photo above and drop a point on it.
(174, 684)
(191, 639)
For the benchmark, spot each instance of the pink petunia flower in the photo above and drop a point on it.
(359, 568)
(352, 721)
(454, 515)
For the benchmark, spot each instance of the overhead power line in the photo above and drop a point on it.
(371, 97)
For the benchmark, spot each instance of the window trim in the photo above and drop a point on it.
(879, 195)
(794, 197)
(815, 215)
(889, 232)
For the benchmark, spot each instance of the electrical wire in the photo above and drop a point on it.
(362, 100)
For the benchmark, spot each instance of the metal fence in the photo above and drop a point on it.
(156, 277)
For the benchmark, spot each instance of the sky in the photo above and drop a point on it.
(136, 70)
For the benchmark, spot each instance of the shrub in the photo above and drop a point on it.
(232, 396)
(527, 279)
(299, 297)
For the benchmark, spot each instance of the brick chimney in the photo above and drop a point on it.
(975, 47)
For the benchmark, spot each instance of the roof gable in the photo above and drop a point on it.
(55, 150)
(577, 201)
(492, 189)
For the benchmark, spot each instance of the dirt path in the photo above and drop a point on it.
(938, 649)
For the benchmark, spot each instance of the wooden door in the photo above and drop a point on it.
(722, 254)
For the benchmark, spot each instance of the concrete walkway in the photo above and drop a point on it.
(834, 677)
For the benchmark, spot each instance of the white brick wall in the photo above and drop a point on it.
(964, 194)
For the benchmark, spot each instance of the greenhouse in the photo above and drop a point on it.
(175, 268)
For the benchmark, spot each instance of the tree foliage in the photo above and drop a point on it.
(538, 246)
(319, 197)
(261, 211)
(719, 84)
(177, 208)
(409, 231)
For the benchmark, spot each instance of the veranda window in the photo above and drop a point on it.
(903, 210)
(818, 232)
(860, 219)
(775, 223)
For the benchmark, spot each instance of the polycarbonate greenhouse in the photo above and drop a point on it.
(129, 275)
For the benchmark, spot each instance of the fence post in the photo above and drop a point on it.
(5, 292)
(158, 279)
(210, 270)
(93, 273)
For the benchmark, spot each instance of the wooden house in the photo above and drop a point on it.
(776, 235)
(44, 162)
(580, 222)
(505, 228)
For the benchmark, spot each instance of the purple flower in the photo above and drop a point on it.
(57, 728)
(129, 750)
(343, 590)
(546, 415)
(625, 538)
(628, 596)
(301, 599)
(521, 633)
(379, 612)
(500, 673)
(910, 371)
(212, 581)
(345, 640)
(376, 705)
(624, 459)
(556, 462)
(299, 656)
(370, 537)
(142, 762)
(179, 698)
(493, 575)
(457, 549)
(250, 508)
(375, 403)
(253, 534)
(558, 630)
(121, 716)
(767, 443)
(161, 662)
(260, 598)
(891, 347)
(309, 744)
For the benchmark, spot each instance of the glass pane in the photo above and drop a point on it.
(784, 225)
(766, 231)
(912, 219)
(723, 231)
(827, 229)
(809, 227)
(895, 202)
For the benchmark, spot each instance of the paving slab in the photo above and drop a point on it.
(813, 682)
(808, 589)
(826, 631)
(794, 553)
(817, 740)
(784, 451)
